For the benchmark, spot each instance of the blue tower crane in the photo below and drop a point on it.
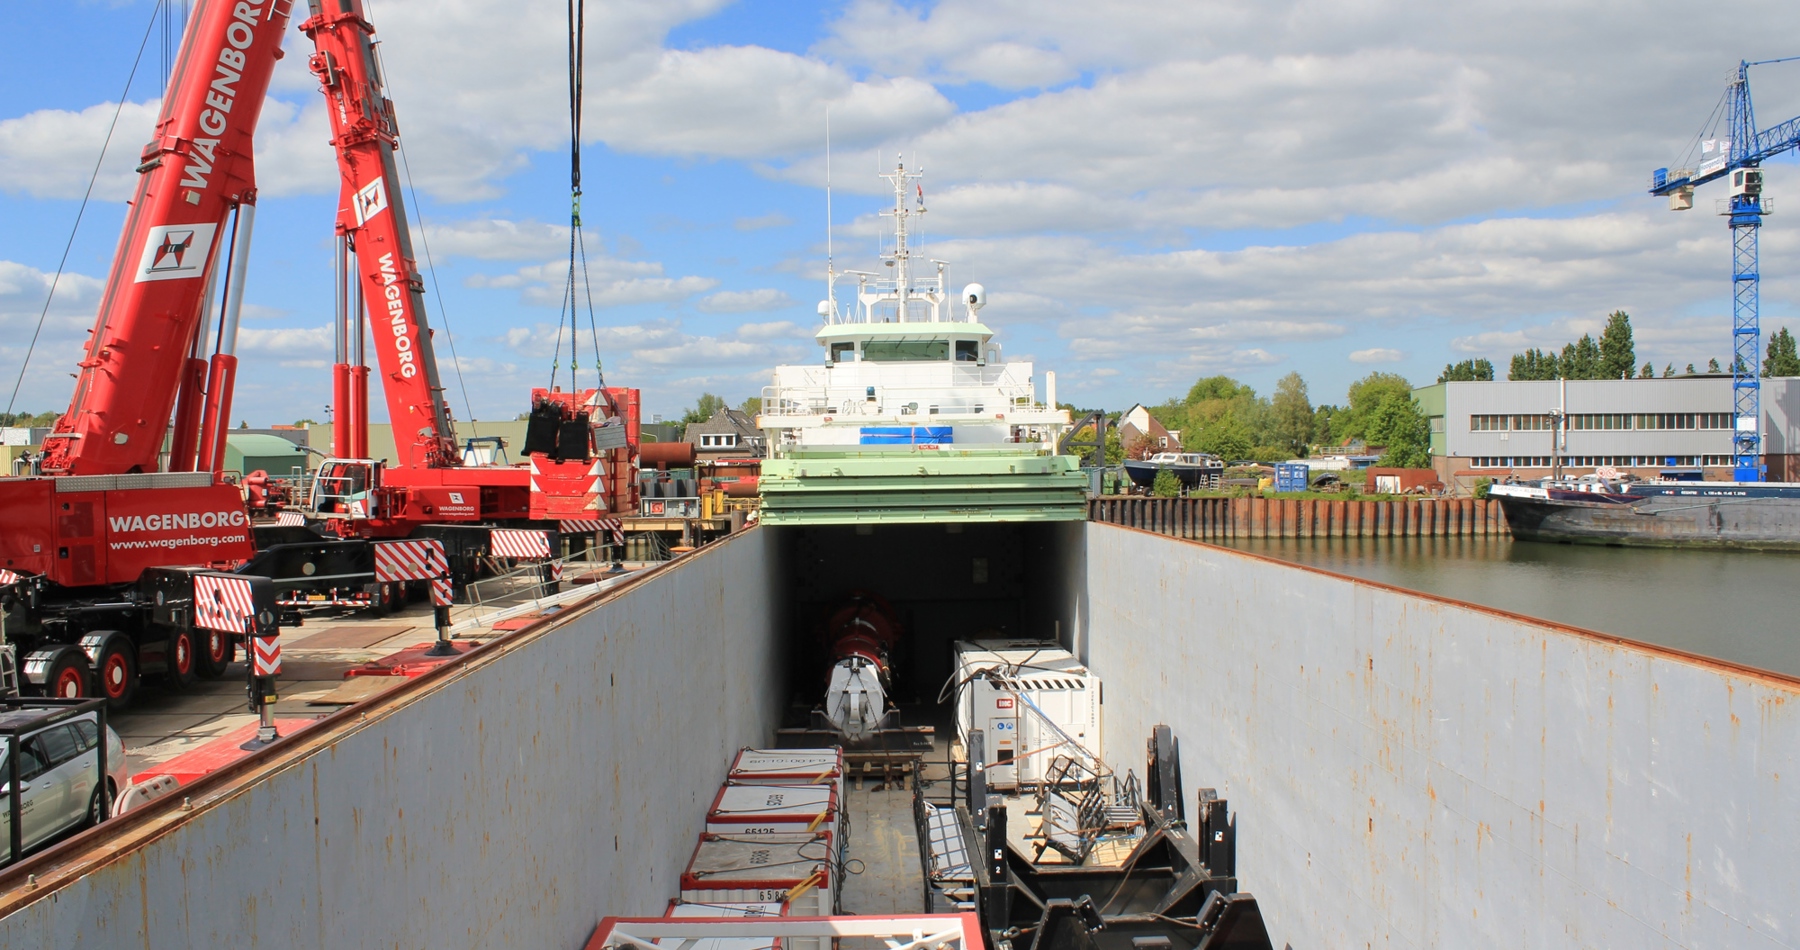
(1738, 153)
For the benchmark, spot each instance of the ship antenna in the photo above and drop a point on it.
(830, 271)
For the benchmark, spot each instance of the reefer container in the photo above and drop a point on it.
(788, 767)
(795, 868)
(774, 809)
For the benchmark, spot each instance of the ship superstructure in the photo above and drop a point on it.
(913, 415)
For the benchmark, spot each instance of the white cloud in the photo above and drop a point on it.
(288, 343)
(496, 239)
(620, 293)
(773, 330)
(651, 349)
(47, 382)
(751, 102)
(1377, 355)
(50, 153)
(745, 301)
(614, 282)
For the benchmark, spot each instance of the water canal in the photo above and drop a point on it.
(1743, 607)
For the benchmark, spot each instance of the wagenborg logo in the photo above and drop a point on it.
(176, 251)
(369, 201)
(175, 521)
(456, 498)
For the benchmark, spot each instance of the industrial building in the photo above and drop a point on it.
(1641, 426)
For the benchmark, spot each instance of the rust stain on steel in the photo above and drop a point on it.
(101, 848)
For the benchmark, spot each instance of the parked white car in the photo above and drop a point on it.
(59, 786)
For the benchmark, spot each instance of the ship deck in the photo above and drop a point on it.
(180, 730)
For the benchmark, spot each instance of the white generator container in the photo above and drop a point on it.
(795, 868)
(774, 809)
(1004, 685)
(683, 909)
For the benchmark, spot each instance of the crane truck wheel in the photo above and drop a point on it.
(117, 672)
(68, 676)
(215, 654)
(183, 661)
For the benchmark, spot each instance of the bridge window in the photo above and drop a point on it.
(906, 351)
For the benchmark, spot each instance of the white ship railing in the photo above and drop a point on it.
(785, 402)
(888, 389)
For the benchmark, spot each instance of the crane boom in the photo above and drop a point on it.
(371, 214)
(1739, 157)
(194, 172)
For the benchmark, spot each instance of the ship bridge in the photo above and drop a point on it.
(913, 415)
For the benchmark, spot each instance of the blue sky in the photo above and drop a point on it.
(1151, 192)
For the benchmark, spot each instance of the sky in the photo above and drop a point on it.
(1151, 192)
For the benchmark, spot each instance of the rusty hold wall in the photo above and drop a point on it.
(556, 780)
(1407, 771)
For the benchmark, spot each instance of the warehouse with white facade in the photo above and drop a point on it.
(1642, 426)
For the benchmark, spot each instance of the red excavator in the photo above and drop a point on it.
(114, 561)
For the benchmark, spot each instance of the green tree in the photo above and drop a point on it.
(1648, 372)
(1323, 431)
(1218, 388)
(1217, 401)
(751, 406)
(1618, 355)
(1668, 370)
(1291, 415)
(1365, 396)
(1690, 370)
(1534, 364)
(1166, 484)
(1581, 359)
(1712, 366)
(1782, 359)
(1466, 371)
(28, 420)
(703, 410)
(1398, 425)
(1115, 446)
(1227, 437)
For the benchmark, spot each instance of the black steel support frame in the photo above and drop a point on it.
(1170, 874)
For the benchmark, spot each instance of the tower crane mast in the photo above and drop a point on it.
(1739, 157)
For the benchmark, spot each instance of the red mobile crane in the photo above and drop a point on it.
(577, 474)
(105, 554)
